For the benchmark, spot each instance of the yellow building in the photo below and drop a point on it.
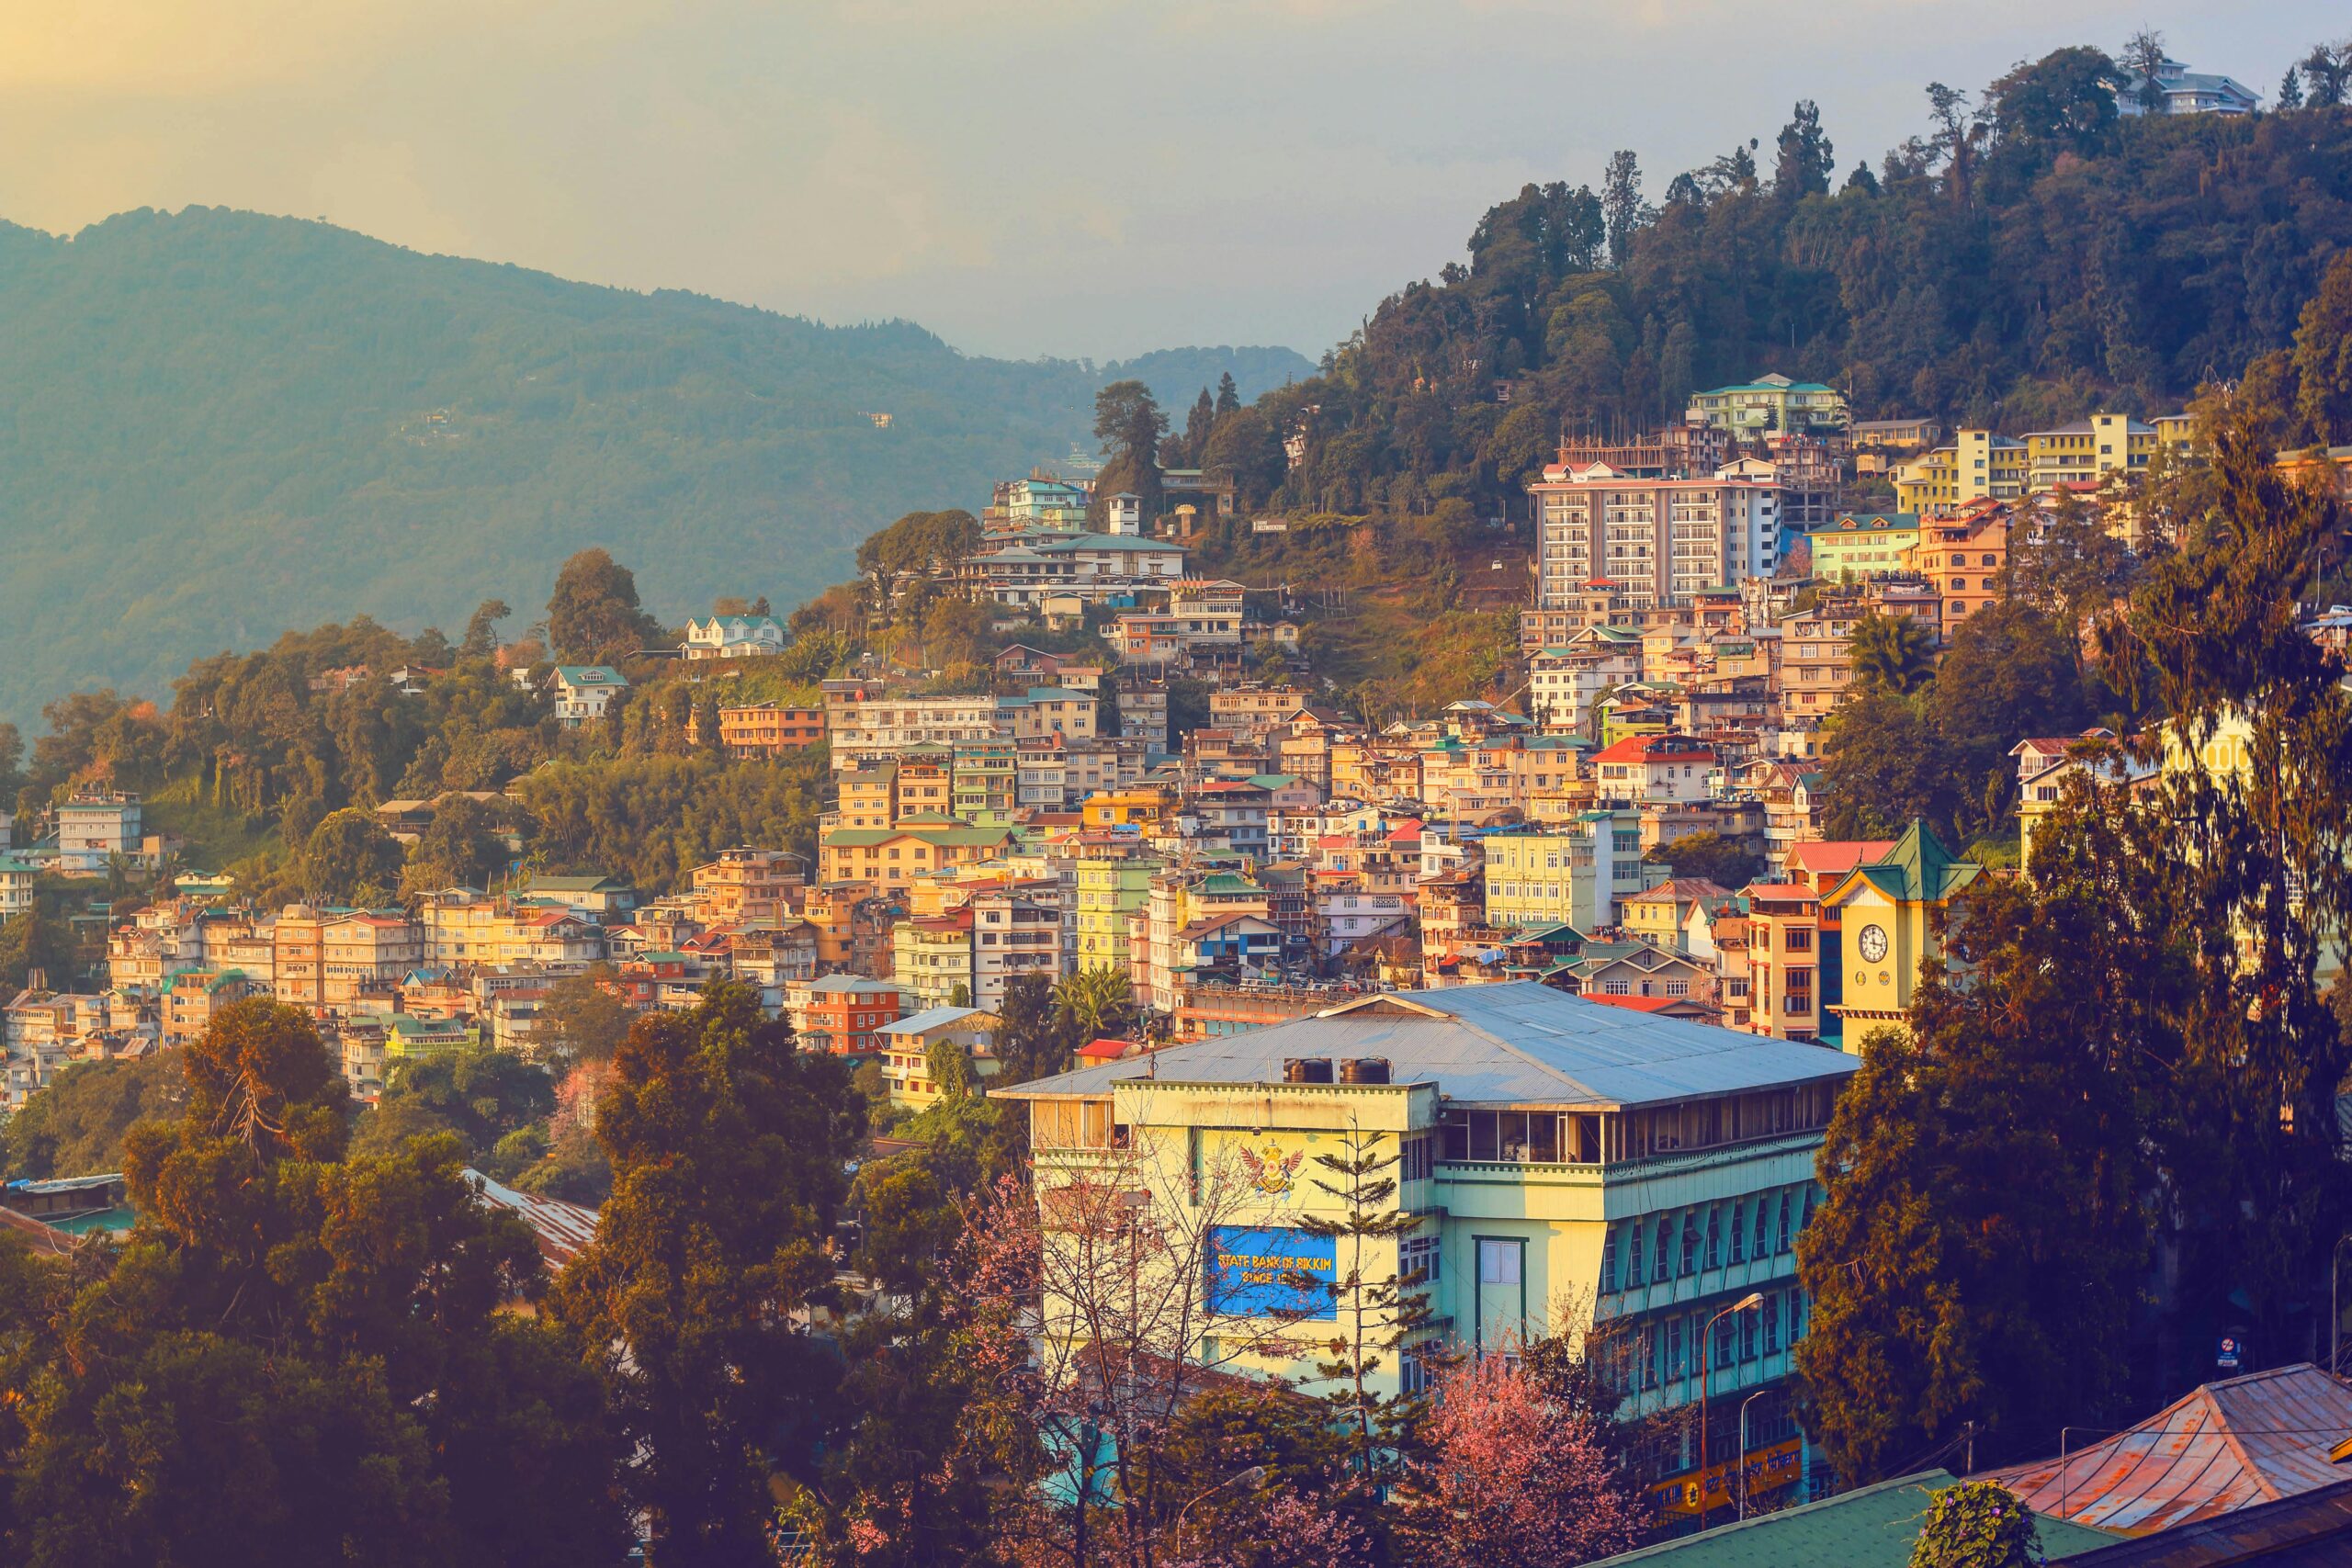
(1147, 806)
(2089, 449)
(888, 858)
(1569, 1168)
(1860, 545)
(1976, 465)
(1575, 875)
(1884, 910)
(907, 1047)
(869, 796)
(1658, 913)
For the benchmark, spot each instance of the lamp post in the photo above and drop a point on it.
(1747, 1302)
(1249, 1477)
(2334, 1311)
(1743, 1447)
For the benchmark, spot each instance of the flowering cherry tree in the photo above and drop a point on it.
(1509, 1477)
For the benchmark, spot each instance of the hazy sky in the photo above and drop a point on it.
(1046, 177)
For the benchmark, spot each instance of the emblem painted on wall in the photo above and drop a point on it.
(1271, 1172)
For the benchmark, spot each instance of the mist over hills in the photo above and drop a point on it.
(217, 425)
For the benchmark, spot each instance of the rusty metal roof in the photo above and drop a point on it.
(562, 1229)
(2230, 1445)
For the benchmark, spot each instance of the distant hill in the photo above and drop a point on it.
(215, 426)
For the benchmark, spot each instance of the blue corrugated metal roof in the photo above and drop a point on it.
(1517, 1043)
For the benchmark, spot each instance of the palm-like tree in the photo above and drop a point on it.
(1099, 999)
(1893, 653)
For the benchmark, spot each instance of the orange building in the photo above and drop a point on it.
(764, 729)
(1792, 944)
(1965, 558)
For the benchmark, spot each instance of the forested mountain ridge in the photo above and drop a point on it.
(215, 425)
(2031, 256)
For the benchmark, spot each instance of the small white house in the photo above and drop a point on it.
(735, 636)
(582, 692)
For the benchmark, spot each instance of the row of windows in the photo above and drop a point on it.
(1668, 1350)
(1656, 1249)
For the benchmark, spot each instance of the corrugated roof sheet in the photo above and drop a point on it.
(1871, 1527)
(2227, 1446)
(1518, 1044)
(562, 1229)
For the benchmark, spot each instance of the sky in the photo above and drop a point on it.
(1074, 178)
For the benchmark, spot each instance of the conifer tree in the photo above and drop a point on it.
(1380, 1310)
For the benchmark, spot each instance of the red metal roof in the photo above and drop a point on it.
(2227, 1446)
(562, 1229)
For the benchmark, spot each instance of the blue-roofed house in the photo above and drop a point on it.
(1574, 1169)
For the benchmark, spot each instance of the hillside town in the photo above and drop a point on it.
(1174, 814)
(1693, 899)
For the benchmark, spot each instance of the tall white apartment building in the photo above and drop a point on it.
(1656, 541)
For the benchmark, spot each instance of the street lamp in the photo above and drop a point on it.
(1249, 1477)
(1747, 1302)
(1743, 1447)
(2335, 1312)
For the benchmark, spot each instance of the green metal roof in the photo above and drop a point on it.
(1871, 1527)
(1918, 869)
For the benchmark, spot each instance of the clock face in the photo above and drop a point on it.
(1872, 943)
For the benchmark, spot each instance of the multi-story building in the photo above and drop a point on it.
(843, 1014)
(1561, 1169)
(464, 927)
(876, 729)
(930, 959)
(1012, 935)
(868, 794)
(368, 954)
(1887, 908)
(1964, 557)
(1975, 464)
(925, 785)
(1794, 946)
(888, 858)
(748, 885)
(1031, 567)
(986, 780)
(907, 1045)
(1207, 611)
(2089, 450)
(1864, 545)
(1047, 710)
(734, 636)
(1654, 542)
(190, 998)
(1110, 890)
(1160, 953)
(1572, 874)
(1641, 769)
(1769, 404)
(1816, 662)
(583, 692)
(764, 729)
(2179, 90)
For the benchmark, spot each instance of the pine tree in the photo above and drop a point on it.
(1380, 1312)
(1228, 396)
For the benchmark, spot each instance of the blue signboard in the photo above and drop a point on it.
(1272, 1272)
(2229, 1352)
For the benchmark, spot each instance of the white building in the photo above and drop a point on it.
(1654, 541)
(735, 636)
(582, 692)
(2187, 91)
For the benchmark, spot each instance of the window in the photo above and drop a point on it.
(1422, 1255)
(1763, 1235)
(1678, 1349)
(1633, 1256)
(1807, 1218)
(1782, 1246)
(1609, 1260)
(1797, 939)
(1662, 1265)
(1738, 1234)
(1412, 1372)
(1616, 988)
(1770, 1311)
(1689, 1244)
(1417, 1162)
(1714, 1236)
(1746, 1321)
